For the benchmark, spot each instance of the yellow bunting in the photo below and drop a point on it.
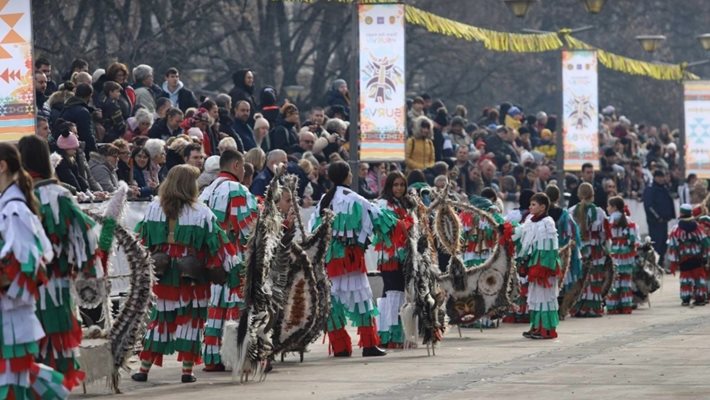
(669, 72)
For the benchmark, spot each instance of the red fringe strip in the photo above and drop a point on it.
(340, 341)
(354, 261)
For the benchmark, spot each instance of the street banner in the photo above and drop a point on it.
(580, 100)
(382, 90)
(697, 128)
(17, 95)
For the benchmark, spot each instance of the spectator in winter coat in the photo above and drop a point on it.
(267, 106)
(78, 111)
(142, 173)
(156, 149)
(55, 104)
(102, 167)
(500, 144)
(167, 127)
(419, 149)
(261, 131)
(118, 73)
(147, 92)
(338, 95)
(113, 121)
(242, 113)
(284, 135)
(660, 210)
(244, 90)
(40, 91)
(138, 126)
(67, 170)
(262, 180)
(179, 95)
(43, 65)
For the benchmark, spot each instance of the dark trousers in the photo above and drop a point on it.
(659, 234)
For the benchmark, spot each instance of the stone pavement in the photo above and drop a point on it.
(660, 352)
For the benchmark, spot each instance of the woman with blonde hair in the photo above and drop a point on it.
(590, 220)
(257, 158)
(187, 242)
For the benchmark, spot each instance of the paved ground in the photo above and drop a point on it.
(657, 353)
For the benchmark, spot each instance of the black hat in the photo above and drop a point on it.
(659, 173)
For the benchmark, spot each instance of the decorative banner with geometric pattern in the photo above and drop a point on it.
(17, 103)
(580, 109)
(382, 92)
(697, 128)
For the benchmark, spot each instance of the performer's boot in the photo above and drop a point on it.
(142, 374)
(369, 340)
(340, 343)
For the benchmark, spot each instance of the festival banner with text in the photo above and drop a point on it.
(697, 128)
(580, 100)
(382, 90)
(17, 97)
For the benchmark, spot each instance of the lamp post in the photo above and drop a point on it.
(293, 92)
(593, 6)
(704, 40)
(650, 43)
(519, 7)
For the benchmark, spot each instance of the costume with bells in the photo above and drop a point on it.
(236, 210)
(539, 250)
(624, 242)
(76, 256)
(688, 251)
(593, 248)
(356, 220)
(24, 249)
(186, 251)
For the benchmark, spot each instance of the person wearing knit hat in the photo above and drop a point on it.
(68, 142)
(68, 169)
(196, 133)
(688, 251)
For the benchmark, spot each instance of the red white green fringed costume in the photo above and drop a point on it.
(519, 309)
(624, 242)
(24, 248)
(594, 243)
(178, 315)
(356, 221)
(539, 250)
(75, 250)
(479, 238)
(688, 251)
(391, 254)
(236, 210)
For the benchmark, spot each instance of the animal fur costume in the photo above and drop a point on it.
(24, 250)
(624, 241)
(236, 210)
(539, 250)
(593, 250)
(180, 308)
(75, 255)
(356, 221)
(688, 252)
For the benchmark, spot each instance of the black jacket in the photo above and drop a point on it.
(245, 133)
(186, 99)
(160, 130)
(79, 112)
(283, 136)
(502, 150)
(68, 172)
(335, 98)
(113, 120)
(226, 126)
(658, 204)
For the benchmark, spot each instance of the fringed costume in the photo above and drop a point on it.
(572, 272)
(24, 249)
(688, 252)
(186, 251)
(593, 250)
(539, 251)
(391, 255)
(75, 249)
(356, 221)
(624, 241)
(236, 210)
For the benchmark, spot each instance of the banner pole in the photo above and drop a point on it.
(353, 129)
(559, 135)
(681, 137)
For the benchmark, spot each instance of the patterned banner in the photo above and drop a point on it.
(17, 103)
(697, 128)
(382, 91)
(580, 109)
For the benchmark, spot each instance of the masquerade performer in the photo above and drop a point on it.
(688, 251)
(187, 245)
(591, 221)
(356, 220)
(75, 245)
(623, 236)
(236, 209)
(391, 254)
(24, 249)
(539, 251)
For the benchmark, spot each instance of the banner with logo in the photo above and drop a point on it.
(697, 128)
(580, 112)
(17, 96)
(382, 91)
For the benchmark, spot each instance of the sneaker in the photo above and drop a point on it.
(140, 377)
(527, 334)
(188, 378)
(373, 352)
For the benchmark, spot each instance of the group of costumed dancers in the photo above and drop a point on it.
(238, 279)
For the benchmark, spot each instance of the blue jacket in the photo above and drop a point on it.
(139, 179)
(261, 182)
(658, 204)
